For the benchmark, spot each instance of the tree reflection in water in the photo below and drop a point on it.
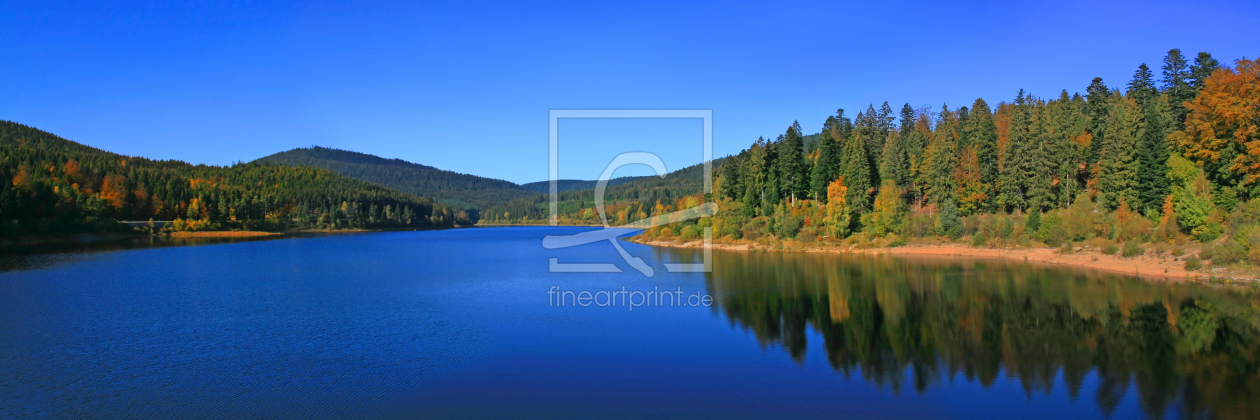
(891, 320)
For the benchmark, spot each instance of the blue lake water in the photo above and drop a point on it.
(461, 324)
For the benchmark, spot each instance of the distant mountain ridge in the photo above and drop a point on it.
(448, 187)
(544, 187)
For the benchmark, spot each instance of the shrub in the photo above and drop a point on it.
(1229, 252)
(950, 224)
(1193, 263)
(807, 235)
(755, 228)
(1208, 232)
(1132, 249)
(1110, 249)
(1177, 252)
(1207, 252)
(1033, 223)
(979, 239)
(689, 233)
(666, 233)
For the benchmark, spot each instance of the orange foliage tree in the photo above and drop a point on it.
(1226, 111)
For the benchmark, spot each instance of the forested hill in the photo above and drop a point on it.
(626, 199)
(53, 186)
(454, 189)
(544, 187)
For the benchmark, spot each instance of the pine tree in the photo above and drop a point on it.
(1203, 67)
(791, 164)
(894, 164)
(941, 158)
(1176, 85)
(1097, 104)
(1142, 87)
(1014, 161)
(1041, 164)
(1118, 167)
(856, 171)
(982, 134)
(827, 166)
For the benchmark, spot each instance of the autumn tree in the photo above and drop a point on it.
(1221, 126)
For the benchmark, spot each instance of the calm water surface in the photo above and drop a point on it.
(460, 324)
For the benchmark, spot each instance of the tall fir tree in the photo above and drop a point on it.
(982, 135)
(1118, 166)
(793, 175)
(941, 158)
(856, 171)
(1014, 160)
(1097, 103)
(1152, 149)
(827, 166)
(1203, 67)
(1176, 85)
(894, 164)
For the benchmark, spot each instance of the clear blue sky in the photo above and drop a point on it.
(466, 86)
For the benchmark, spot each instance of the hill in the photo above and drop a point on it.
(632, 197)
(544, 187)
(52, 186)
(451, 188)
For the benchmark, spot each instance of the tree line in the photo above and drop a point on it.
(1180, 150)
(52, 186)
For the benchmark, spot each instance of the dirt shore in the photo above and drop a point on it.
(1148, 266)
(222, 234)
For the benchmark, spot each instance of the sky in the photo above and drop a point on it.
(466, 86)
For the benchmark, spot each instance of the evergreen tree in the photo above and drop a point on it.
(1097, 99)
(941, 158)
(982, 135)
(1015, 160)
(793, 175)
(1176, 85)
(1203, 67)
(856, 171)
(1142, 87)
(827, 165)
(1118, 167)
(894, 164)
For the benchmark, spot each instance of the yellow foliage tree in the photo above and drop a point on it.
(1226, 110)
(837, 220)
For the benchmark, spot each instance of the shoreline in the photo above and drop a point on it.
(1144, 266)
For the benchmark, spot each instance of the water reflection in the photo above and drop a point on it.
(1187, 349)
(41, 256)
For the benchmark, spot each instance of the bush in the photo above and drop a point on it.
(1177, 252)
(1193, 263)
(1208, 232)
(666, 233)
(979, 239)
(1110, 249)
(1033, 223)
(1132, 249)
(1229, 252)
(1207, 252)
(689, 233)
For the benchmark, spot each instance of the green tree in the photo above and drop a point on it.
(982, 134)
(856, 171)
(1118, 167)
(1176, 85)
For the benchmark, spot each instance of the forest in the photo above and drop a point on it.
(458, 191)
(50, 186)
(1168, 158)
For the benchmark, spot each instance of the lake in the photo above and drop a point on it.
(470, 323)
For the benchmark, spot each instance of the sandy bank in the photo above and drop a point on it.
(1145, 266)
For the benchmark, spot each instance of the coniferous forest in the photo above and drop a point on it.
(52, 186)
(1171, 154)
